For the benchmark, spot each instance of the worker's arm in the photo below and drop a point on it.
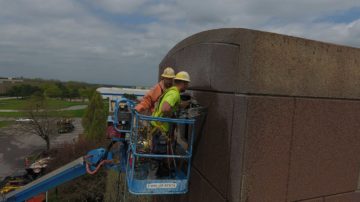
(149, 99)
(166, 109)
(144, 104)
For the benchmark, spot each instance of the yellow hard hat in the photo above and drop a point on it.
(168, 73)
(182, 76)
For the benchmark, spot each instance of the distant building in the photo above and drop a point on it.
(7, 83)
(10, 80)
(113, 93)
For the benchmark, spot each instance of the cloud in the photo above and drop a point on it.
(123, 41)
(120, 6)
(339, 33)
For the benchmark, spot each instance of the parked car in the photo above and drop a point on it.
(65, 126)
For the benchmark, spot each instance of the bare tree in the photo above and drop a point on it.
(41, 120)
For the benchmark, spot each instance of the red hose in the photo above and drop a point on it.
(91, 172)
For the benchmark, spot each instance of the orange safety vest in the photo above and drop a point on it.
(149, 100)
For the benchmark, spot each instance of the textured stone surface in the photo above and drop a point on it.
(269, 64)
(211, 66)
(261, 142)
(212, 154)
(349, 197)
(325, 156)
(314, 200)
(205, 191)
(292, 66)
(200, 190)
(267, 150)
(237, 148)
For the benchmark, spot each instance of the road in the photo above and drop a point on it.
(15, 146)
(7, 98)
(76, 107)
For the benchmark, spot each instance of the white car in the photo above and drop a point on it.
(24, 120)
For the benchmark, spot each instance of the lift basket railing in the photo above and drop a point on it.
(153, 172)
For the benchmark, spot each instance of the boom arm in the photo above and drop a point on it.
(61, 175)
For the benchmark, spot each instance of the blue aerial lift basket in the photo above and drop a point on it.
(166, 172)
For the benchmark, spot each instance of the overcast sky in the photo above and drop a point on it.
(122, 41)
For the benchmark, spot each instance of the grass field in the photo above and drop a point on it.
(54, 104)
(70, 113)
(18, 104)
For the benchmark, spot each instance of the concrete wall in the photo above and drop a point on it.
(284, 117)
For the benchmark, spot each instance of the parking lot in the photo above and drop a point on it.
(15, 145)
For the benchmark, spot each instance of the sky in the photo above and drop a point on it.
(121, 42)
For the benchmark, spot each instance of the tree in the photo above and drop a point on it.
(73, 91)
(64, 91)
(52, 91)
(41, 123)
(14, 91)
(86, 93)
(23, 90)
(94, 120)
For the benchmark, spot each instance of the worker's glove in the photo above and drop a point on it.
(185, 97)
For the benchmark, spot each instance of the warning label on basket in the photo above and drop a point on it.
(161, 186)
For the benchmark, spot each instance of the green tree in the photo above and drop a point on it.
(94, 120)
(86, 93)
(73, 93)
(23, 90)
(14, 91)
(52, 91)
(73, 90)
(64, 91)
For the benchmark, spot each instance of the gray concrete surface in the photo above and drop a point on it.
(15, 146)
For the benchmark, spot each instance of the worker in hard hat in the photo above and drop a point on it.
(149, 100)
(162, 132)
(170, 101)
